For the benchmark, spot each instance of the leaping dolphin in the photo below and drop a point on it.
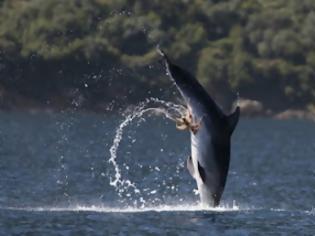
(211, 132)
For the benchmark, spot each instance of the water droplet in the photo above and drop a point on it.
(153, 192)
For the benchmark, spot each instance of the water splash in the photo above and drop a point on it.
(161, 208)
(311, 212)
(170, 110)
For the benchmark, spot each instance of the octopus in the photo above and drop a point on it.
(187, 122)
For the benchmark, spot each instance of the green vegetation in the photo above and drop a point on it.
(263, 49)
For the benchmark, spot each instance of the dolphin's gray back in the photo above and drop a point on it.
(213, 124)
(195, 95)
(199, 101)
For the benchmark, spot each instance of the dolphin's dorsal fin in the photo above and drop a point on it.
(233, 119)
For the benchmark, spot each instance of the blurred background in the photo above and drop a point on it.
(86, 55)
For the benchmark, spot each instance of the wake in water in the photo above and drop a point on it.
(170, 110)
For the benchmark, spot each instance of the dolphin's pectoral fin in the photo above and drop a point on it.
(190, 167)
(233, 119)
(202, 173)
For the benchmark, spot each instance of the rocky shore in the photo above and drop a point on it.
(253, 108)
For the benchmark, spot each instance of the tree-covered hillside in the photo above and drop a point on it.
(263, 49)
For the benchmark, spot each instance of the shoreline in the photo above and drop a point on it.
(249, 109)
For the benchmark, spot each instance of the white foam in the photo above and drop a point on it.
(311, 212)
(105, 209)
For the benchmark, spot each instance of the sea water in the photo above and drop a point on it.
(125, 174)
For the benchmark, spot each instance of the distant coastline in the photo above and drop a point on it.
(252, 108)
(10, 102)
(91, 53)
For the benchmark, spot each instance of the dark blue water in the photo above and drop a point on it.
(55, 178)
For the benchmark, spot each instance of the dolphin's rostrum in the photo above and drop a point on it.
(211, 138)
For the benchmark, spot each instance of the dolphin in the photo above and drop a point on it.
(209, 161)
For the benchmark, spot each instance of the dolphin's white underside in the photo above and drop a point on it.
(201, 151)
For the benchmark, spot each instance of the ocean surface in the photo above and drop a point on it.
(92, 174)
